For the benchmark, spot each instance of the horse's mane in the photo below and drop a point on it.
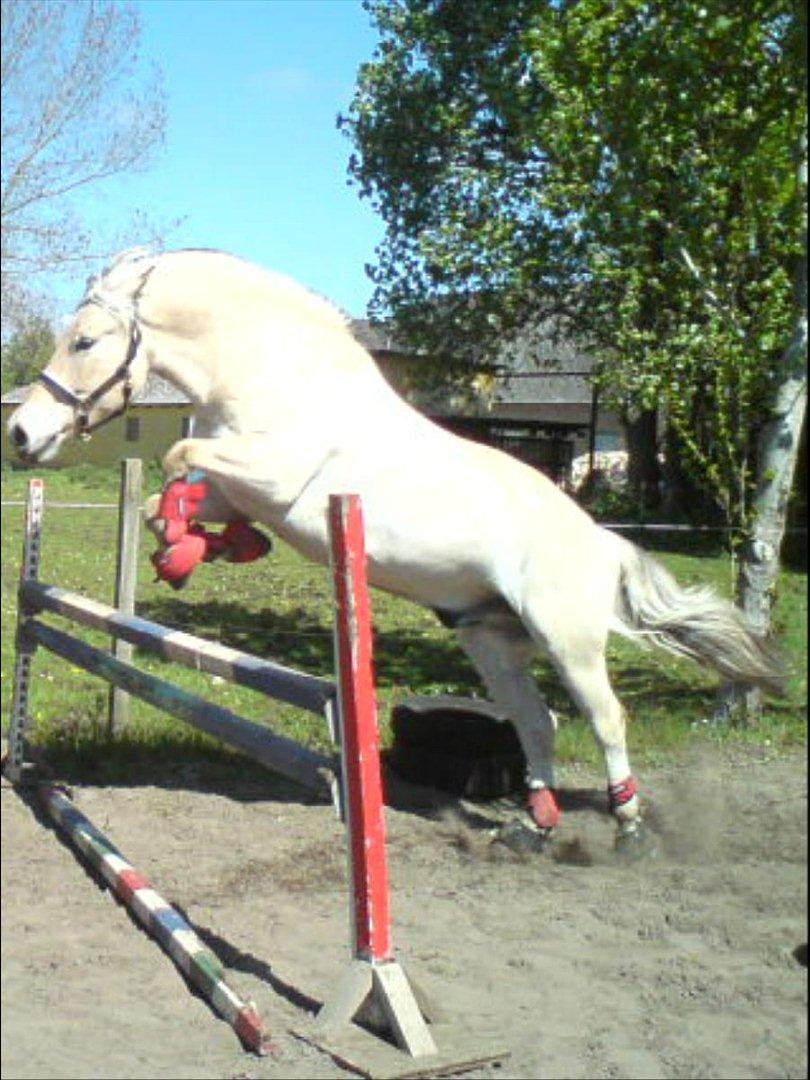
(117, 286)
(103, 289)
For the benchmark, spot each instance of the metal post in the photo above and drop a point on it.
(594, 420)
(29, 571)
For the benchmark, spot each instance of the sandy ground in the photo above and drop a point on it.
(677, 966)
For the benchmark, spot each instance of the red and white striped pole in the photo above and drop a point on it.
(362, 782)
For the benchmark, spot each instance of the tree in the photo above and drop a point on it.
(26, 353)
(77, 110)
(637, 167)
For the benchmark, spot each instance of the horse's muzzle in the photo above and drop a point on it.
(18, 438)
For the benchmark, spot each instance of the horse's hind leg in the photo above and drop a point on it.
(501, 650)
(580, 661)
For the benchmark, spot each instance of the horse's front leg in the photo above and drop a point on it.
(189, 497)
(184, 457)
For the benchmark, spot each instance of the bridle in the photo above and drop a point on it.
(82, 404)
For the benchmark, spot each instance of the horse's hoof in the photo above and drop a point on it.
(544, 808)
(634, 842)
(522, 838)
(175, 563)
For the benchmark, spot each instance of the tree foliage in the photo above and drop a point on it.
(632, 165)
(78, 108)
(26, 353)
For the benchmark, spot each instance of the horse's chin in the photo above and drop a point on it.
(44, 453)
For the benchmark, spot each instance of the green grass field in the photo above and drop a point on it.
(282, 608)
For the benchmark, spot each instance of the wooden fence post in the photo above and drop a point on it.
(126, 577)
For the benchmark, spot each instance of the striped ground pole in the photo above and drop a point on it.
(159, 918)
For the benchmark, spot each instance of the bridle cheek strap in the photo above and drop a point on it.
(83, 403)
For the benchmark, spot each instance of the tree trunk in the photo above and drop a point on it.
(776, 464)
(643, 473)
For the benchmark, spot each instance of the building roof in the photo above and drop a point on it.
(551, 387)
(156, 391)
(375, 336)
(15, 396)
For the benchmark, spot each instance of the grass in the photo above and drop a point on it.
(282, 607)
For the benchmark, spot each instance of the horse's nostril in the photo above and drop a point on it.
(18, 437)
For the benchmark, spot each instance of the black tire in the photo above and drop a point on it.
(459, 745)
(462, 726)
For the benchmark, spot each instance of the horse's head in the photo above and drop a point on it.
(97, 366)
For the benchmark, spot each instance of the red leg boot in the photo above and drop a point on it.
(244, 543)
(179, 504)
(175, 562)
(544, 808)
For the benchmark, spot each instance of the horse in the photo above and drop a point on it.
(290, 408)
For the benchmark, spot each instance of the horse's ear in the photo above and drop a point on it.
(127, 273)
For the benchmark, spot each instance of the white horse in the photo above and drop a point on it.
(290, 408)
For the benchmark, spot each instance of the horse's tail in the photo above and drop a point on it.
(693, 622)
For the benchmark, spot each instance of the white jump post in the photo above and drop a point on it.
(126, 577)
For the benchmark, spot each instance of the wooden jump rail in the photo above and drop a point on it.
(200, 966)
(294, 687)
(375, 985)
(285, 756)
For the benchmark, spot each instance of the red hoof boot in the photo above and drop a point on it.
(622, 799)
(621, 793)
(175, 563)
(544, 808)
(180, 502)
(244, 543)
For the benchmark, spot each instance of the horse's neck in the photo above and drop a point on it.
(186, 371)
(253, 389)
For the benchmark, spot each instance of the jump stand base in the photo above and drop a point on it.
(356, 1049)
(381, 994)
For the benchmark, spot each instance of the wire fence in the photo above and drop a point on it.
(304, 580)
(614, 526)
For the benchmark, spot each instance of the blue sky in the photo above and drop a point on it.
(253, 161)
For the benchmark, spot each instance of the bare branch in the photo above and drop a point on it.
(78, 109)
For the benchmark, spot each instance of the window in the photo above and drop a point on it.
(187, 427)
(133, 432)
(607, 441)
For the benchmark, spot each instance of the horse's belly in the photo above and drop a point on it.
(449, 581)
(442, 559)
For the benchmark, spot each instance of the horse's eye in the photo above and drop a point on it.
(81, 344)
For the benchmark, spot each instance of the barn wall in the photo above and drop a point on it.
(160, 426)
